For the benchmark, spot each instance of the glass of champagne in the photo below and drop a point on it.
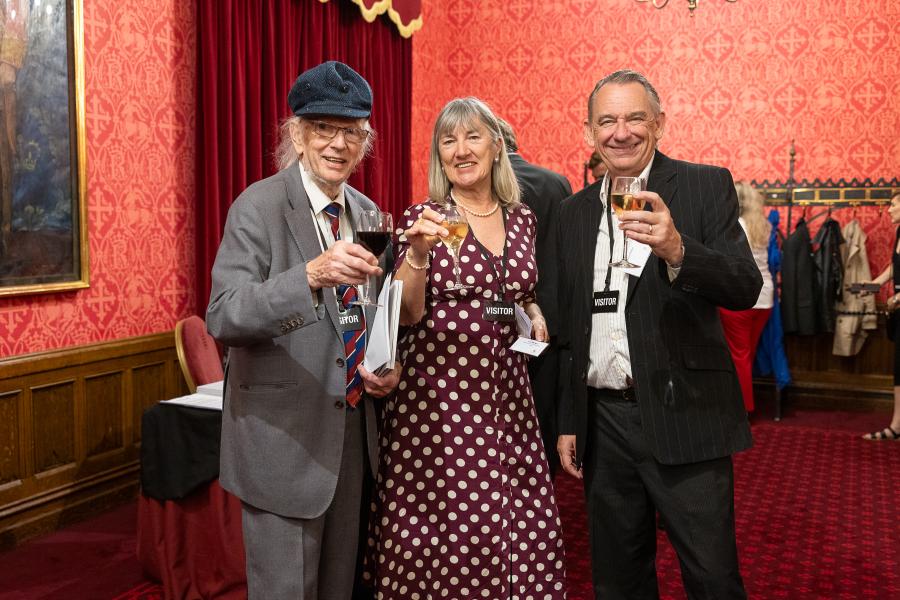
(458, 227)
(373, 232)
(622, 197)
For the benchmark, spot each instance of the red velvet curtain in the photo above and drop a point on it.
(250, 53)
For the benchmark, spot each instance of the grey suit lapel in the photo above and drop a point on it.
(662, 181)
(306, 234)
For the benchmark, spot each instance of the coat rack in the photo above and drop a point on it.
(833, 194)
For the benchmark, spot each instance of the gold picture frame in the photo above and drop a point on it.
(43, 183)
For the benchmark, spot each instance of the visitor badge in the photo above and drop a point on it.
(605, 302)
(351, 319)
(499, 310)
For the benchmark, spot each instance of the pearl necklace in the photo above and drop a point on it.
(478, 214)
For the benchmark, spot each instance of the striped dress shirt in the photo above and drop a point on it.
(610, 362)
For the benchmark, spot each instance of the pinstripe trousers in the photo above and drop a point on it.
(625, 486)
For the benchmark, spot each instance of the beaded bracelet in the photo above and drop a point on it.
(416, 267)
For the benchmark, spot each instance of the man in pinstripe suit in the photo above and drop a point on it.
(650, 406)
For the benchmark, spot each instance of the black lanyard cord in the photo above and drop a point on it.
(501, 276)
(609, 225)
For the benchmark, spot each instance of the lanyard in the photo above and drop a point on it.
(609, 226)
(325, 246)
(501, 276)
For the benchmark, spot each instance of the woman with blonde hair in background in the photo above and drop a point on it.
(743, 327)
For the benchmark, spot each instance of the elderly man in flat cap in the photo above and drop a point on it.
(298, 425)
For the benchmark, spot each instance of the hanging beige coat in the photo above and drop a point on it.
(850, 330)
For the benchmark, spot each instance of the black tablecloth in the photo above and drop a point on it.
(179, 450)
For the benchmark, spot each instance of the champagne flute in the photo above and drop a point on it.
(459, 229)
(621, 196)
(373, 232)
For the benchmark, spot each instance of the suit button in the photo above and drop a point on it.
(339, 404)
(340, 362)
(299, 321)
(587, 330)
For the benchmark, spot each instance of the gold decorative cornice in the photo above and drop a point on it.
(379, 7)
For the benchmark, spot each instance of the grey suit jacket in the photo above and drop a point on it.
(284, 414)
(684, 379)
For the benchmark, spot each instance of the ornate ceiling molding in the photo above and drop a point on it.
(406, 14)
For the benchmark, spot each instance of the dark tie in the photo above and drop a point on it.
(354, 341)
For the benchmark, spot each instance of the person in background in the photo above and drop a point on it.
(743, 327)
(298, 429)
(465, 505)
(892, 274)
(650, 406)
(595, 167)
(542, 191)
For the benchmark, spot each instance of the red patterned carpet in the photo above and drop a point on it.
(816, 518)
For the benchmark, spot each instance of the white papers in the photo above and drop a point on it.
(529, 346)
(523, 322)
(381, 351)
(216, 388)
(638, 254)
(204, 401)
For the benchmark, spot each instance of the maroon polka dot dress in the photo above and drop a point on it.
(465, 506)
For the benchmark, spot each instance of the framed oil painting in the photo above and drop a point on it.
(43, 241)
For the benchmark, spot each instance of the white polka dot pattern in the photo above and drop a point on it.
(465, 505)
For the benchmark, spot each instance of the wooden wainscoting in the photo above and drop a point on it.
(70, 429)
(822, 380)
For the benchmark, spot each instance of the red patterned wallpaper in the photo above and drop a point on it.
(738, 82)
(140, 92)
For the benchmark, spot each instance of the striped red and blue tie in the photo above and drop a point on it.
(354, 341)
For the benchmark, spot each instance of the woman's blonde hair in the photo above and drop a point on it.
(751, 203)
(465, 112)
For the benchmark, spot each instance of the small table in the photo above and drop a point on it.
(189, 533)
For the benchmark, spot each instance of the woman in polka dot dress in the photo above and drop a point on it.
(465, 506)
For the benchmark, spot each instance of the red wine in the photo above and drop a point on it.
(373, 241)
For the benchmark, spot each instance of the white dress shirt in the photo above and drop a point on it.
(317, 203)
(609, 363)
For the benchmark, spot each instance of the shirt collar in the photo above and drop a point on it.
(317, 198)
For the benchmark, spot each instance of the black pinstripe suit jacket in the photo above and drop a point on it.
(543, 191)
(684, 379)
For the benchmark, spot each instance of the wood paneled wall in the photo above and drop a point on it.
(823, 380)
(70, 429)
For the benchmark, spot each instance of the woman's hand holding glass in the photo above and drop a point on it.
(425, 232)
(457, 226)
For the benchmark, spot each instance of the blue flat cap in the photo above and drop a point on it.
(331, 89)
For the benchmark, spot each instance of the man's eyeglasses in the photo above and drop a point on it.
(632, 122)
(328, 131)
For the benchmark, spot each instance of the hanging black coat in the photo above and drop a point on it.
(829, 273)
(799, 284)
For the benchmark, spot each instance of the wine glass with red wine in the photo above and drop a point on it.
(373, 232)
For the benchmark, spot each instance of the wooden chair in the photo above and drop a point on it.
(198, 354)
